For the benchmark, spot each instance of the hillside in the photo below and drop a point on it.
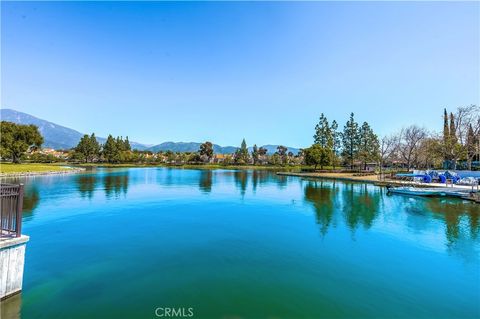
(60, 137)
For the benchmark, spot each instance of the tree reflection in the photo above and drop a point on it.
(474, 224)
(115, 184)
(86, 185)
(282, 181)
(453, 210)
(241, 177)
(205, 181)
(260, 177)
(31, 198)
(322, 196)
(360, 205)
(255, 179)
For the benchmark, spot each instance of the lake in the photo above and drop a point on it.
(121, 243)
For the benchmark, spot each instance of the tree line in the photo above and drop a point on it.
(114, 150)
(332, 147)
(258, 155)
(411, 147)
(118, 150)
(355, 146)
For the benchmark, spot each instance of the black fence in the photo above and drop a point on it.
(11, 202)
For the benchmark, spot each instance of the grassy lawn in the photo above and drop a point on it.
(9, 168)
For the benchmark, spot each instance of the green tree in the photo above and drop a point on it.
(16, 139)
(335, 142)
(275, 159)
(255, 154)
(262, 157)
(282, 153)
(453, 150)
(171, 156)
(447, 148)
(120, 144)
(241, 155)
(88, 148)
(126, 145)
(458, 150)
(317, 155)
(206, 151)
(350, 141)
(323, 133)
(227, 160)
(111, 152)
(262, 151)
(446, 129)
(124, 151)
(453, 130)
(95, 146)
(369, 146)
(473, 146)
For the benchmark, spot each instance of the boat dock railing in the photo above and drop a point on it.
(11, 202)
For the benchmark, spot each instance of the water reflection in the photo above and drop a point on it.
(322, 195)
(31, 195)
(453, 212)
(282, 181)
(116, 183)
(353, 205)
(31, 198)
(86, 185)
(241, 177)
(260, 177)
(260, 227)
(360, 205)
(205, 180)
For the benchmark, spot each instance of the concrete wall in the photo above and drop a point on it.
(12, 260)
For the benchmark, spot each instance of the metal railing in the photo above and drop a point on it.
(11, 204)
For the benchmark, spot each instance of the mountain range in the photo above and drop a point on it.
(60, 137)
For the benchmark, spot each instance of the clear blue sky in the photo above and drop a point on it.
(224, 71)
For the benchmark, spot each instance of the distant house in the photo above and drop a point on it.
(52, 152)
(371, 167)
(219, 158)
(398, 164)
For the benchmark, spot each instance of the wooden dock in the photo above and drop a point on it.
(475, 197)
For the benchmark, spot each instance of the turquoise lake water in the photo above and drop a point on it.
(121, 243)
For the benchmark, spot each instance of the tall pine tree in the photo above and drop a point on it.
(88, 147)
(111, 153)
(368, 146)
(126, 144)
(323, 134)
(255, 154)
(350, 141)
(453, 130)
(335, 135)
(241, 155)
(447, 141)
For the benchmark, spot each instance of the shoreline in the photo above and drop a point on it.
(370, 179)
(77, 168)
(39, 173)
